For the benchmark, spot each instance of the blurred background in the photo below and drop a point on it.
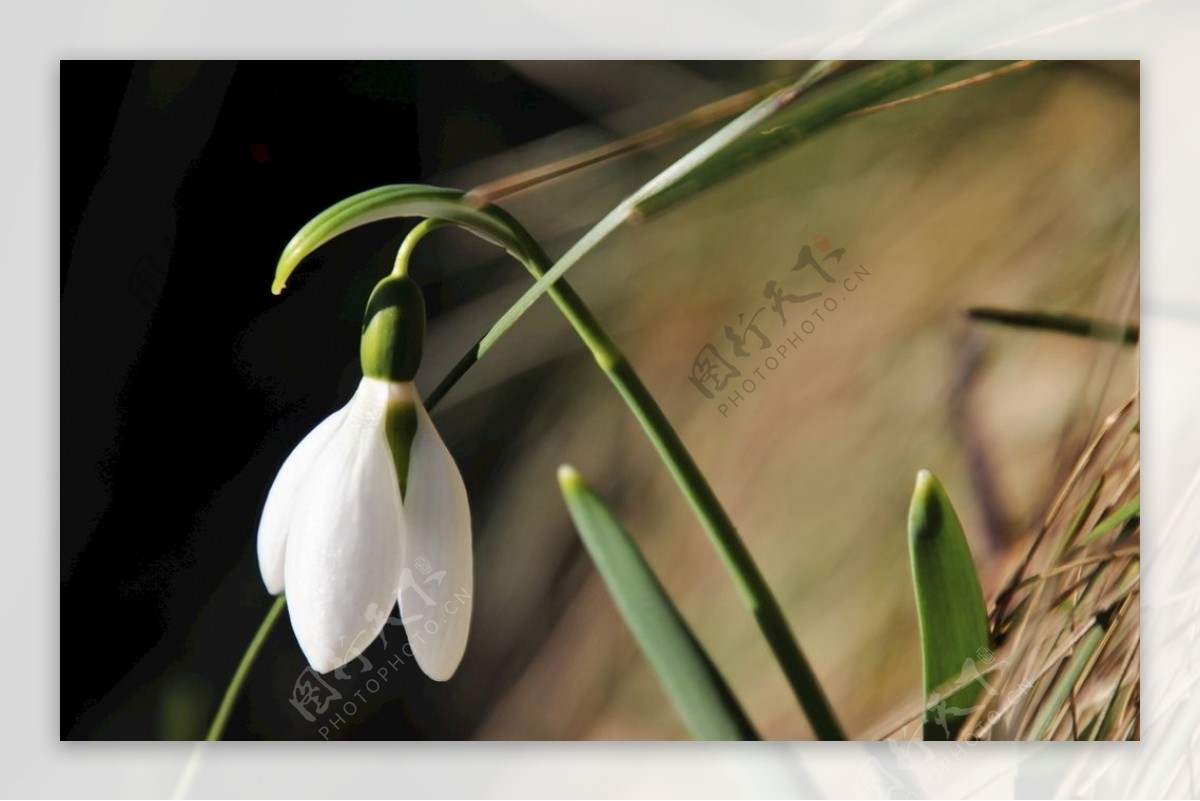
(185, 383)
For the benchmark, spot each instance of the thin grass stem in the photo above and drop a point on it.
(1062, 323)
(217, 729)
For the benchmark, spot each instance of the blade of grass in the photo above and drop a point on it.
(727, 152)
(1052, 706)
(1115, 520)
(950, 608)
(821, 108)
(1016, 700)
(692, 121)
(716, 143)
(687, 674)
(1062, 323)
(1076, 523)
(1115, 706)
(965, 83)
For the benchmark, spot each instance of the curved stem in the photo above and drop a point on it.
(410, 243)
(243, 669)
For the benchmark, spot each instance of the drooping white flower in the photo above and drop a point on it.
(370, 504)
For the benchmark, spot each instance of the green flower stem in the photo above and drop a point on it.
(217, 729)
(410, 243)
(750, 582)
(695, 487)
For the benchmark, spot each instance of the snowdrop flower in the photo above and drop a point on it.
(371, 503)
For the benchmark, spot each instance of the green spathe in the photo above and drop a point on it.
(393, 335)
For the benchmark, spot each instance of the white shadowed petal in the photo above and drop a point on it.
(281, 500)
(342, 559)
(437, 582)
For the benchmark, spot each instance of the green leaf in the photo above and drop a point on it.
(950, 608)
(687, 674)
(404, 200)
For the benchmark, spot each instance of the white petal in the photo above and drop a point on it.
(343, 552)
(436, 583)
(281, 500)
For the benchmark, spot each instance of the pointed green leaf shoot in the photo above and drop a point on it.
(687, 674)
(950, 608)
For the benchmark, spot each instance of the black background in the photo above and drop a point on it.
(185, 383)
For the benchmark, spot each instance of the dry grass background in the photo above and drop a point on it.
(1067, 623)
(1022, 192)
